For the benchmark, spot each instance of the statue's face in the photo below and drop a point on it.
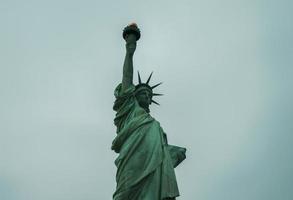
(144, 98)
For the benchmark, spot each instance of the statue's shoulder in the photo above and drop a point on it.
(123, 98)
(118, 92)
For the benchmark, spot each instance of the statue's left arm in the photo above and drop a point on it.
(178, 154)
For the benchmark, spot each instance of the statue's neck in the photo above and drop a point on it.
(147, 109)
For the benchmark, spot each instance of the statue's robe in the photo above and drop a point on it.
(145, 165)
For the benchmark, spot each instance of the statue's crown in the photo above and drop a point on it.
(143, 86)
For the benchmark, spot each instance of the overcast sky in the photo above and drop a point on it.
(227, 68)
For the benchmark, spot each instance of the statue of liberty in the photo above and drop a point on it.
(146, 162)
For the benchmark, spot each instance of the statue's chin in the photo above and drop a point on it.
(144, 106)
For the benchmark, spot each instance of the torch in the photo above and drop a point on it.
(131, 33)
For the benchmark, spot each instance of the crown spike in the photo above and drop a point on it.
(149, 78)
(155, 102)
(139, 79)
(156, 85)
(157, 94)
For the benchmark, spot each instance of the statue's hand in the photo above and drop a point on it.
(130, 43)
(177, 154)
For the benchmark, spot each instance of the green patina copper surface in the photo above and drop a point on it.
(146, 162)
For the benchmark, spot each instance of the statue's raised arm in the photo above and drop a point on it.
(131, 34)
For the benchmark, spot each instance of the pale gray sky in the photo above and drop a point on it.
(227, 72)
